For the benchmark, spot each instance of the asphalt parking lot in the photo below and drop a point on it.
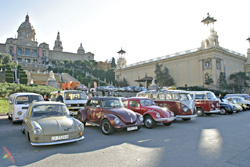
(216, 140)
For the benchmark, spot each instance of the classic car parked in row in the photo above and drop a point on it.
(19, 103)
(239, 100)
(237, 106)
(205, 102)
(152, 114)
(110, 114)
(177, 101)
(48, 123)
(226, 108)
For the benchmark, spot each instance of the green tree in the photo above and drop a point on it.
(5, 58)
(239, 81)
(222, 82)
(163, 78)
(208, 79)
(113, 65)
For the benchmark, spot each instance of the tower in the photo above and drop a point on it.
(58, 43)
(121, 62)
(212, 39)
(80, 50)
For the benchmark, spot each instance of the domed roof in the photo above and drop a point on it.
(26, 25)
(80, 50)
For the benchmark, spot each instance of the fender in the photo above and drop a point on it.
(111, 118)
(152, 113)
(83, 114)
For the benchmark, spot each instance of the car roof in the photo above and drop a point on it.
(63, 91)
(136, 98)
(103, 98)
(47, 102)
(164, 91)
(200, 91)
(25, 93)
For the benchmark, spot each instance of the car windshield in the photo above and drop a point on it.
(225, 100)
(27, 99)
(147, 102)
(211, 96)
(49, 110)
(112, 103)
(185, 97)
(75, 96)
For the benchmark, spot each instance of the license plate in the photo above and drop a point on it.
(54, 138)
(194, 118)
(132, 128)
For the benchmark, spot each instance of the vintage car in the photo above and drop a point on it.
(49, 123)
(226, 108)
(110, 114)
(241, 101)
(19, 103)
(205, 102)
(177, 101)
(237, 106)
(74, 100)
(152, 114)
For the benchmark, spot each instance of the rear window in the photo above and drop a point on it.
(27, 99)
(185, 96)
(200, 96)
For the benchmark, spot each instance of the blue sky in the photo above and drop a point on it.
(145, 29)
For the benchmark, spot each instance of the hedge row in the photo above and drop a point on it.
(9, 88)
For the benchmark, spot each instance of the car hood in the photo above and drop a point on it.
(126, 115)
(159, 110)
(56, 125)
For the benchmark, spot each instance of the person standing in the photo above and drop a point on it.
(59, 97)
(45, 98)
(103, 92)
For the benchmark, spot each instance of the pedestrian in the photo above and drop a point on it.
(59, 97)
(103, 92)
(93, 93)
(45, 98)
(110, 93)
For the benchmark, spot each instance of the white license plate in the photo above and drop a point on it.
(132, 128)
(54, 138)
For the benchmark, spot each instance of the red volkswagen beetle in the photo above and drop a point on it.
(152, 114)
(110, 114)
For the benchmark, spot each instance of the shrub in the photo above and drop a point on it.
(9, 79)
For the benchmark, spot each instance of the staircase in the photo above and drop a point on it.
(66, 77)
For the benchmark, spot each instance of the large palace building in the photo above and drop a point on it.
(188, 68)
(33, 56)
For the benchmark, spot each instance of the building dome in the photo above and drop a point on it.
(80, 50)
(26, 30)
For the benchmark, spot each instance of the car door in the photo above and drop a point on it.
(134, 105)
(94, 111)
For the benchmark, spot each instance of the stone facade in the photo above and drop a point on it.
(27, 52)
(188, 68)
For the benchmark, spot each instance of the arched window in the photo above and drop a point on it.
(11, 50)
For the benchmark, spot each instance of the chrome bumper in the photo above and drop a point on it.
(187, 116)
(57, 142)
(165, 119)
(213, 111)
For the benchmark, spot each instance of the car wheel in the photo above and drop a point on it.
(199, 112)
(186, 119)
(167, 124)
(149, 122)
(106, 127)
(222, 111)
(79, 117)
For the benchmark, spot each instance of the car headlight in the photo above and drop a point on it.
(172, 114)
(185, 109)
(80, 127)
(141, 118)
(164, 108)
(212, 105)
(158, 115)
(117, 121)
(37, 131)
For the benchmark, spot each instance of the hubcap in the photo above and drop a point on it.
(222, 111)
(199, 112)
(148, 122)
(106, 127)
